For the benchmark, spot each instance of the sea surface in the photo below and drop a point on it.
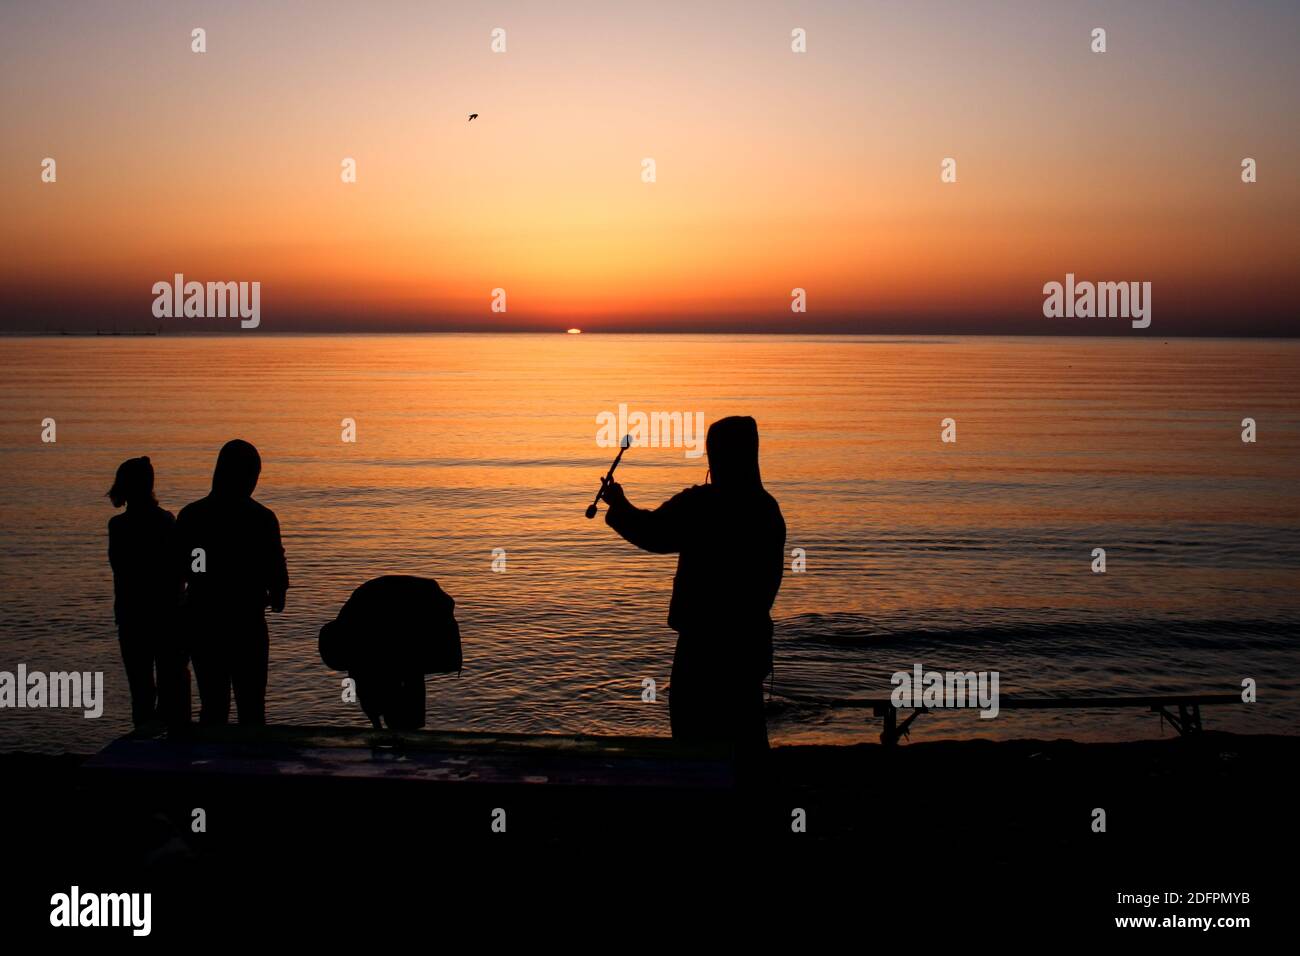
(970, 555)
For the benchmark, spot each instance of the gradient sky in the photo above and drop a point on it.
(775, 170)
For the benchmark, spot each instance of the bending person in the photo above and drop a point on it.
(389, 634)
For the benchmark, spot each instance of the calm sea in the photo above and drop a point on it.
(974, 555)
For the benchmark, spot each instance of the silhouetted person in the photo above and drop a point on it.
(146, 598)
(238, 574)
(730, 536)
(389, 634)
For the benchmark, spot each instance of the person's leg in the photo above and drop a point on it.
(212, 674)
(698, 697)
(137, 657)
(683, 704)
(173, 674)
(370, 695)
(406, 710)
(184, 690)
(252, 649)
(749, 718)
(749, 732)
(691, 712)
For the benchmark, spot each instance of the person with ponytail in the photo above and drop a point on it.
(146, 598)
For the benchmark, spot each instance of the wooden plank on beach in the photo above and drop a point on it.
(432, 757)
(1186, 721)
(1010, 702)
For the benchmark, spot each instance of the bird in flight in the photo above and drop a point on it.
(472, 117)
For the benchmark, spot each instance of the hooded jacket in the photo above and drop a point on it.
(244, 559)
(730, 538)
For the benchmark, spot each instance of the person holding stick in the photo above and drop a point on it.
(729, 536)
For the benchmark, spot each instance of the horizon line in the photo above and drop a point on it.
(822, 333)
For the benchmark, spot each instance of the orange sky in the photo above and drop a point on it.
(775, 170)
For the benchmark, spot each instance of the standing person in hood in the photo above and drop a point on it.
(730, 538)
(238, 574)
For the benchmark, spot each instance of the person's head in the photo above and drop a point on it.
(732, 445)
(133, 484)
(238, 467)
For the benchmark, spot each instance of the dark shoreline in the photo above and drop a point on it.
(327, 822)
(824, 762)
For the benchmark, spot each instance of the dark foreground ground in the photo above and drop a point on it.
(356, 835)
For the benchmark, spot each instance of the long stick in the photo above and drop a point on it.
(604, 483)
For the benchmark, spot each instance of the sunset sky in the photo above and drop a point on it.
(775, 170)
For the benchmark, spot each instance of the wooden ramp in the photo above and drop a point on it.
(430, 757)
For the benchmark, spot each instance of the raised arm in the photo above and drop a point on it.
(661, 531)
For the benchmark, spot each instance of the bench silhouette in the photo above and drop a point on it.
(1186, 722)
